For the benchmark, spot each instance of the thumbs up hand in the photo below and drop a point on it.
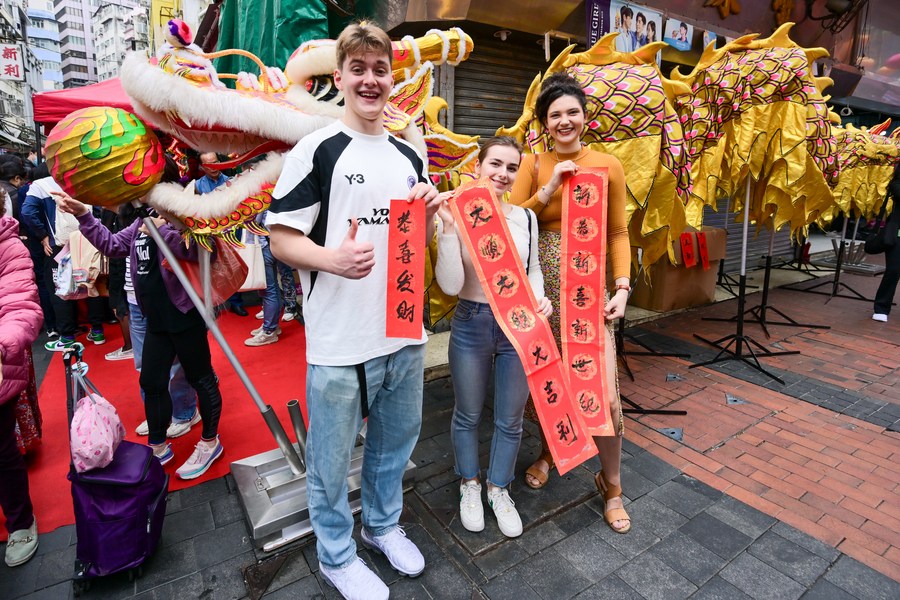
(352, 259)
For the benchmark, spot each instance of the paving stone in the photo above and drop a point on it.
(294, 568)
(542, 536)
(509, 586)
(551, 575)
(61, 537)
(863, 582)
(635, 485)
(698, 486)
(464, 562)
(60, 591)
(654, 579)
(226, 509)
(593, 557)
(742, 517)
(631, 544)
(187, 523)
(823, 590)
(189, 586)
(221, 544)
(20, 581)
(719, 589)
(204, 492)
(307, 587)
(55, 567)
(681, 498)
(713, 534)
(611, 587)
(796, 562)
(760, 581)
(443, 581)
(576, 519)
(688, 558)
(652, 468)
(500, 559)
(169, 563)
(804, 540)
(648, 513)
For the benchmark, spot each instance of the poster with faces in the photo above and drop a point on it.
(636, 25)
(678, 34)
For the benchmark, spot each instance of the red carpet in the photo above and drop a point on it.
(278, 371)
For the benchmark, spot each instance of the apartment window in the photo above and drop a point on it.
(75, 25)
(74, 69)
(73, 40)
(50, 65)
(77, 54)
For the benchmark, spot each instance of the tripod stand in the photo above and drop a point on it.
(621, 336)
(746, 349)
(725, 280)
(760, 310)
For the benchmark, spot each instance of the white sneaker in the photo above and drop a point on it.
(261, 338)
(178, 429)
(356, 581)
(260, 329)
(120, 354)
(260, 315)
(143, 428)
(22, 545)
(398, 549)
(288, 316)
(879, 317)
(505, 510)
(201, 459)
(471, 510)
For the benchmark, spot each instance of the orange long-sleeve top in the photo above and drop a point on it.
(550, 215)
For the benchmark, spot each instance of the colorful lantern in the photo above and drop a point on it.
(104, 156)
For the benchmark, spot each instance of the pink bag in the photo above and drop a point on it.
(95, 433)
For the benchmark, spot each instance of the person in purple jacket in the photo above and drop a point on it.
(175, 328)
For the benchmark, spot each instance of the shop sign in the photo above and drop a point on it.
(11, 65)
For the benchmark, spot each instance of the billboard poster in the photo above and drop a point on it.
(12, 67)
(678, 34)
(637, 25)
(597, 14)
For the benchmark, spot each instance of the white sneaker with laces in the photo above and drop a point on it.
(356, 581)
(22, 545)
(178, 429)
(261, 339)
(260, 315)
(471, 510)
(260, 329)
(288, 316)
(505, 510)
(879, 317)
(120, 354)
(201, 459)
(143, 428)
(398, 549)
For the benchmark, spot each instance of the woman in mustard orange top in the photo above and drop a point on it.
(560, 107)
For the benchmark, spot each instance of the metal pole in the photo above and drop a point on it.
(278, 432)
(742, 289)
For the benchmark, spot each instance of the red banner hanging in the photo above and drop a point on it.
(582, 281)
(483, 229)
(688, 258)
(704, 250)
(405, 270)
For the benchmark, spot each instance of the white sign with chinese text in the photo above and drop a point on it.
(11, 64)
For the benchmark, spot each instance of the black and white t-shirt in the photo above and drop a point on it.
(330, 177)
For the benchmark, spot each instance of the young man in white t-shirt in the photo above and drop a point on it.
(329, 219)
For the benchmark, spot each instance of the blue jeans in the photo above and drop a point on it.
(394, 384)
(184, 398)
(476, 345)
(271, 297)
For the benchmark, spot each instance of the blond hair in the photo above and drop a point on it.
(363, 38)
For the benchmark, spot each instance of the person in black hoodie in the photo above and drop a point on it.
(884, 297)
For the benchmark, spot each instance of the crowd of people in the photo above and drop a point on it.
(330, 180)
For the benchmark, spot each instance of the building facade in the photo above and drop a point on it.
(16, 112)
(43, 37)
(76, 41)
(109, 24)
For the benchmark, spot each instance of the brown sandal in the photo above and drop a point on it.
(538, 474)
(609, 492)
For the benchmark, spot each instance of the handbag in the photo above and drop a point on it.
(63, 227)
(252, 255)
(95, 433)
(226, 273)
(70, 284)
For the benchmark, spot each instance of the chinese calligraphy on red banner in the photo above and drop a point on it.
(406, 269)
(583, 281)
(483, 228)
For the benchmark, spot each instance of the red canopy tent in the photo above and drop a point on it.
(51, 107)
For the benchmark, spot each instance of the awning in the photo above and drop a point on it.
(52, 107)
(9, 139)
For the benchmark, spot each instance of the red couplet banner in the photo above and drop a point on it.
(405, 270)
(482, 226)
(582, 295)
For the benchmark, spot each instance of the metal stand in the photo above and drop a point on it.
(738, 340)
(836, 283)
(725, 280)
(760, 310)
(272, 485)
(621, 336)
